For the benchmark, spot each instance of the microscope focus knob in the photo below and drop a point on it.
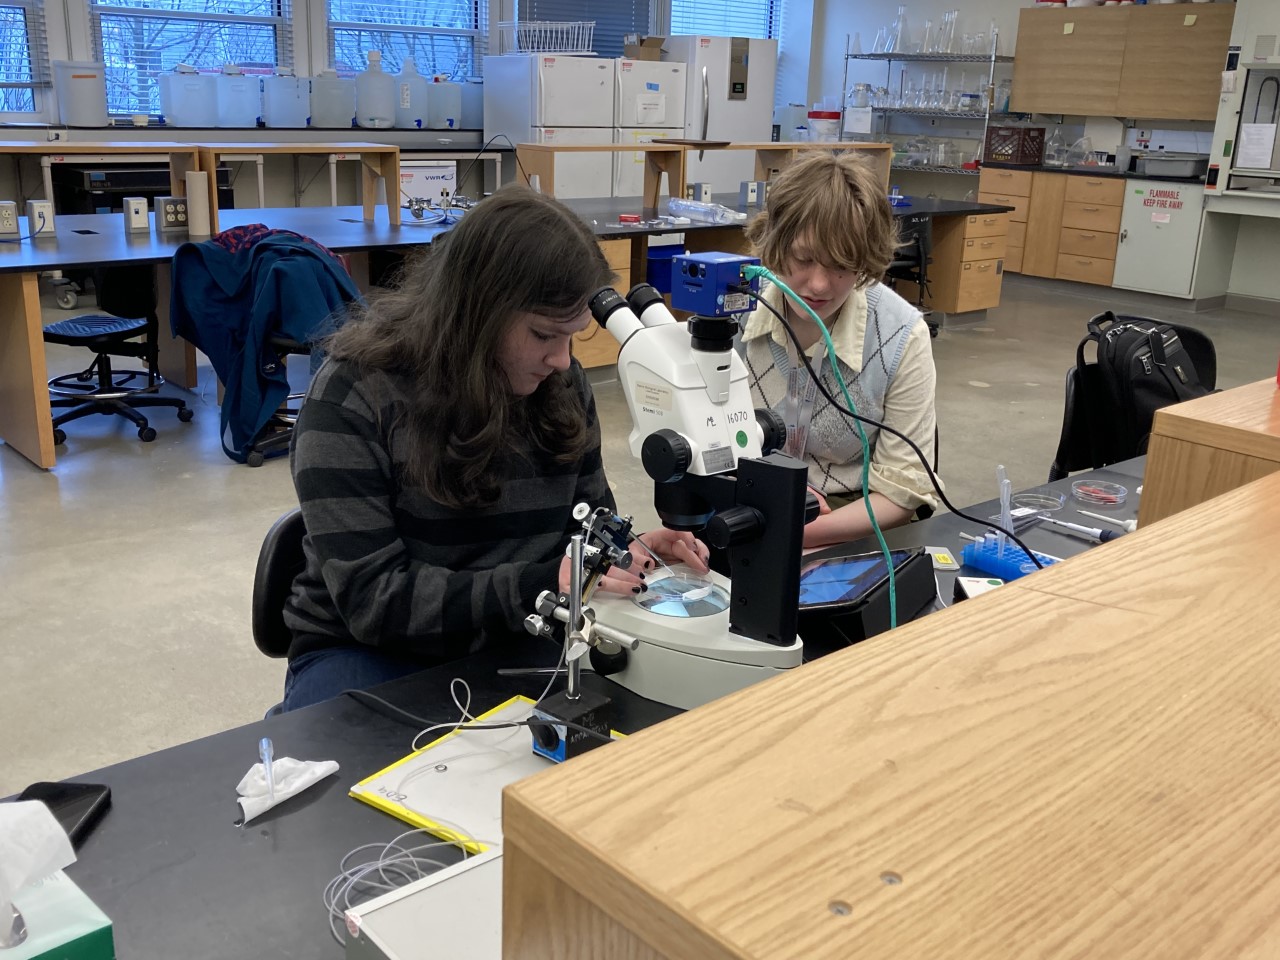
(733, 526)
(773, 429)
(666, 455)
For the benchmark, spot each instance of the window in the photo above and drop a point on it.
(613, 18)
(140, 40)
(727, 18)
(24, 56)
(442, 36)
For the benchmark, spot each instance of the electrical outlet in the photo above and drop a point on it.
(135, 215)
(55, 135)
(171, 214)
(8, 218)
(40, 218)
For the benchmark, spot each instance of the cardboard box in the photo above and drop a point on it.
(636, 47)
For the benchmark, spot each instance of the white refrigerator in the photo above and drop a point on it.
(728, 96)
(648, 105)
(566, 100)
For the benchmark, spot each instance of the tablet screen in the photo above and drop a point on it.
(844, 579)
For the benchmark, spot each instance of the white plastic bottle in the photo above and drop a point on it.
(375, 96)
(188, 98)
(239, 98)
(286, 100)
(705, 212)
(333, 101)
(446, 105)
(412, 97)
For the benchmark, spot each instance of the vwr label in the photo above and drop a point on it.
(653, 396)
(737, 302)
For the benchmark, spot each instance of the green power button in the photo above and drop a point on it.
(741, 438)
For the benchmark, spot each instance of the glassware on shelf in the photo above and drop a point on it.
(860, 96)
(855, 48)
(882, 36)
(1055, 150)
(1004, 91)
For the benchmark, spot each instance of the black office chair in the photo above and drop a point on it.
(128, 328)
(279, 561)
(274, 436)
(1085, 442)
(911, 262)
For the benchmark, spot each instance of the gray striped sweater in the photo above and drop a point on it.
(388, 566)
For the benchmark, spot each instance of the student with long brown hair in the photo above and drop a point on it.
(441, 449)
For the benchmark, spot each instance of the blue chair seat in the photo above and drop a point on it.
(93, 330)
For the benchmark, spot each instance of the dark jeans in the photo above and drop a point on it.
(323, 674)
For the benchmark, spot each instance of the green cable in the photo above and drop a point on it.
(751, 271)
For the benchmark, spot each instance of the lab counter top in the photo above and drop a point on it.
(1094, 171)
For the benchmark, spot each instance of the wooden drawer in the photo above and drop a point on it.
(1108, 191)
(1093, 217)
(986, 225)
(983, 248)
(1019, 204)
(1085, 269)
(1013, 260)
(979, 286)
(595, 346)
(1017, 234)
(617, 253)
(1016, 183)
(1087, 243)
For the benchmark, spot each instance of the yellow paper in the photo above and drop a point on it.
(1068, 28)
(1189, 20)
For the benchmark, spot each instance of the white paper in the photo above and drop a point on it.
(32, 845)
(651, 108)
(1257, 142)
(857, 120)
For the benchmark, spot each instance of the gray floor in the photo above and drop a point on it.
(127, 570)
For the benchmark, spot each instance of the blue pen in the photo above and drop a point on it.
(265, 751)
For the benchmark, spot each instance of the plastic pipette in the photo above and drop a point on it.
(1102, 536)
(660, 561)
(1127, 525)
(265, 751)
(1006, 498)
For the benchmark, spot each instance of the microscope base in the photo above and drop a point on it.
(557, 742)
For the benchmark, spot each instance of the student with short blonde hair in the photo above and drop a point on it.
(828, 233)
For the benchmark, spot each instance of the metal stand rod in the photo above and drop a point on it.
(573, 631)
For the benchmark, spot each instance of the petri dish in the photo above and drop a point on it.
(1041, 501)
(683, 596)
(1099, 492)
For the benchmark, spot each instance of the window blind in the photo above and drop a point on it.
(442, 36)
(727, 18)
(24, 55)
(139, 40)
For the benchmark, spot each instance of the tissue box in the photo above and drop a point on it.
(62, 923)
(636, 47)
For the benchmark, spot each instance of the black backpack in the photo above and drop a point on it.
(1141, 366)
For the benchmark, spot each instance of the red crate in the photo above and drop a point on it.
(1014, 145)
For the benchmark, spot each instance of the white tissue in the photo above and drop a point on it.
(291, 778)
(32, 846)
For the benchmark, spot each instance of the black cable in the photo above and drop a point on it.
(476, 158)
(404, 716)
(924, 461)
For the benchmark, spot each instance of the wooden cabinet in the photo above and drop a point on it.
(1044, 224)
(1203, 448)
(1172, 68)
(1069, 60)
(968, 262)
(595, 346)
(1012, 188)
(1073, 223)
(1160, 60)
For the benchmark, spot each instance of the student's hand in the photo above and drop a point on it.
(823, 507)
(618, 581)
(674, 546)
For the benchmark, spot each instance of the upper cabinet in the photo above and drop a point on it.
(1156, 61)
(1069, 60)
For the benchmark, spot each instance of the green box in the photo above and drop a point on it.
(62, 923)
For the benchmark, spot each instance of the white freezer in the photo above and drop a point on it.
(542, 90)
(628, 168)
(577, 174)
(729, 92)
(649, 94)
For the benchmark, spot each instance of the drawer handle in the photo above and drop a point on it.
(984, 266)
(1085, 263)
(1094, 183)
(1090, 209)
(989, 220)
(1088, 236)
(988, 243)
